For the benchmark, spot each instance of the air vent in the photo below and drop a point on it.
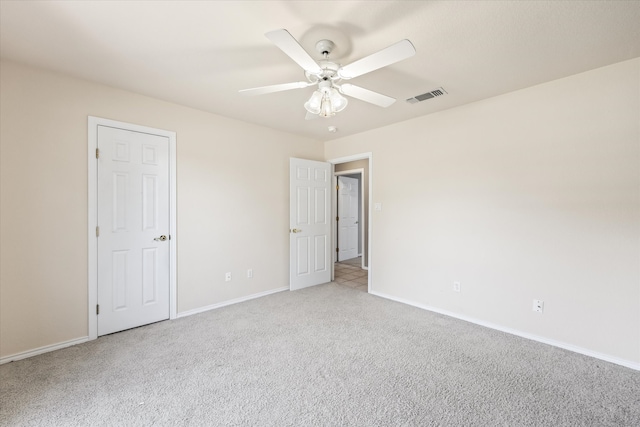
(434, 93)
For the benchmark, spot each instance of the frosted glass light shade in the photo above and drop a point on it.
(338, 101)
(326, 102)
(326, 110)
(314, 103)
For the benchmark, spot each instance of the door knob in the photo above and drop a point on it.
(295, 230)
(161, 238)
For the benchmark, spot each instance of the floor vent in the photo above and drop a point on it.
(434, 93)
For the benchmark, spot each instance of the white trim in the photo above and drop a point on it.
(334, 213)
(353, 157)
(41, 350)
(92, 177)
(607, 358)
(64, 344)
(173, 225)
(92, 220)
(350, 172)
(361, 156)
(230, 302)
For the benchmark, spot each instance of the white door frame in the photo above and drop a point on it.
(361, 233)
(362, 156)
(92, 179)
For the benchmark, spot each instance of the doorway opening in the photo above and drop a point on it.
(352, 262)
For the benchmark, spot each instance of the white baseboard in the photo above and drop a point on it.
(608, 358)
(41, 350)
(230, 302)
(48, 348)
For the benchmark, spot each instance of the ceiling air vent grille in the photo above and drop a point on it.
(434, 93)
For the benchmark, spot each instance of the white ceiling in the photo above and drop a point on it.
(200, 53)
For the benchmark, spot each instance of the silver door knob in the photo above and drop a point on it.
(161, 238)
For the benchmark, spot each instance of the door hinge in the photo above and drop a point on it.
(337, 218)
(337, 249)
(97, 153)
(97, 308)
(337, 187)
(97, 231)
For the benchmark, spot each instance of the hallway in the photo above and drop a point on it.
(349, 273)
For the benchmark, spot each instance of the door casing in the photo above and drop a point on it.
(92, 220)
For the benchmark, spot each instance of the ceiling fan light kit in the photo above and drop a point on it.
(327, 100)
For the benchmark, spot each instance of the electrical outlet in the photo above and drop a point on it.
(456, 286)
(249, 273)
(538, 306)
(227, 277)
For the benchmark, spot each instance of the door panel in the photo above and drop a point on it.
(309, 223)
(320, 252)
(348, 214)
(133, 211)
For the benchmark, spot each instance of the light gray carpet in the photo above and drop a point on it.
(327, 355)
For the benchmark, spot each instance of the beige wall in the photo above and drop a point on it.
(531, 195)
(228, 171)
(361, 164)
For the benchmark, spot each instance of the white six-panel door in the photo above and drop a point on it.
(309, 222)
(133, 217)
(348, 213)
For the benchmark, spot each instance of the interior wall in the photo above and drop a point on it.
(361, 164)
(43, 202)
(530, 195)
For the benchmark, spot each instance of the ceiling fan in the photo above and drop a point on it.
(327, 100)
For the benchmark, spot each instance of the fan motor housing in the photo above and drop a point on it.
(325, 47)
(329, 72)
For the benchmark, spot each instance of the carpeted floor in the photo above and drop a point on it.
(327, 355)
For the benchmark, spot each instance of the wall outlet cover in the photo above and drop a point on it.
(538, 306)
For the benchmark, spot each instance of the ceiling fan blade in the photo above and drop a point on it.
(311, 116)
(274, 88)
(289, 45)
(396, 52)
(367, 95)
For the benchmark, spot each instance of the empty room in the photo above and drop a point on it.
(292, 213)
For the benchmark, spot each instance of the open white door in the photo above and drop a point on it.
(309, 222)
(348, 214)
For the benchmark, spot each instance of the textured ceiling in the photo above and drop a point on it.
(201, 53)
